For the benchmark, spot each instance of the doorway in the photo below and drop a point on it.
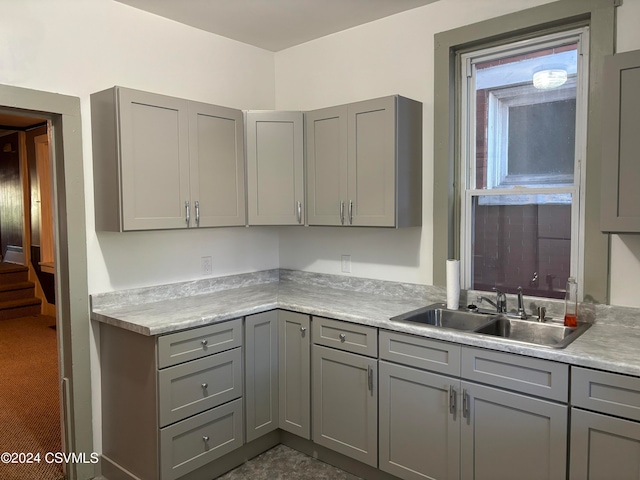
(62, 113)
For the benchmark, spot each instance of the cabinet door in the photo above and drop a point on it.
(216, 152)
(327, 165)
(261, 374)
(275, 161)
(345, 403)
(294, 376)
(154, 155)
(372, 162)
(604, 447)
(505, 435)
(419, 424)
(620, 196)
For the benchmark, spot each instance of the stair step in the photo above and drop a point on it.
(16, 291)
(12, 273)
(19, 308)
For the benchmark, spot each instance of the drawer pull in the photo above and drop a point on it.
(343, 337)
(205, 438)
(204, 343)
(205, 386)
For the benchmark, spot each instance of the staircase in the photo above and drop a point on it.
(17, 297)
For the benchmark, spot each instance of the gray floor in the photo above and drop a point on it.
(284, 463)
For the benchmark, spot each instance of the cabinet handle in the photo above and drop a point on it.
(197, 206)
(350, 212)
(204, 343)
(342, 213)
(205, 438)
(205, 386)
(465, 403)
(453, 396)
(343, 337)
(303, 330)
(370, 378)
(299, 212)
(187, 213)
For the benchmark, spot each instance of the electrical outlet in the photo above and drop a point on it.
(207, 266)
(346, 263)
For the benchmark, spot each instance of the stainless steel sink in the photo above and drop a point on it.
(527, 331)
(497, 325)
(438, 316)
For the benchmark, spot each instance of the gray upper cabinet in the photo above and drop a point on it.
(275, 168)
(620, 200)
(216, 152)
(364, 163)
(155, 156)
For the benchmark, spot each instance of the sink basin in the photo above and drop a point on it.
(438, 316)
(527, 331)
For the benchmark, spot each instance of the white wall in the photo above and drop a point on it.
(77, 47)
(625, 249)
(395, 55)
(389, 56)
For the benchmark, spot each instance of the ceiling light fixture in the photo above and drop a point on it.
(550, 78)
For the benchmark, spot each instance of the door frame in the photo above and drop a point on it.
(72, 297)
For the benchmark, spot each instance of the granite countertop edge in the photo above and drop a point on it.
(606, 347)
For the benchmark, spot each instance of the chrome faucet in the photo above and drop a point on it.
(501, 301)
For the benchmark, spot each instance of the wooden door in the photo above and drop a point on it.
(216, 153)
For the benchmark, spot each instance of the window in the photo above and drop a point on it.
(522, 141)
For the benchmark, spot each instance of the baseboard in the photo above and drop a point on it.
(112, 471)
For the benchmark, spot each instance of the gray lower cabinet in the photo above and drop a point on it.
(163, 163)
(419, 423)
(620, 196)
(345, 403)
(275, 168)
(294, 367)
(170, 404)
(364, 163)
(506, 435)
(603, 446)
(261, 373)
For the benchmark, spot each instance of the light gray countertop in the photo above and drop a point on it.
(607, 345)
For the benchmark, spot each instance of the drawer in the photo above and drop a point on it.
(532, 376)
(193, 387)
(192, 443)
(604, 392)
(440, 357)
(191, 344)
(345, 336)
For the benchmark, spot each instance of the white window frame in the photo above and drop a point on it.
(468, 149)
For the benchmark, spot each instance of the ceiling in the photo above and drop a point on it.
(274, 24)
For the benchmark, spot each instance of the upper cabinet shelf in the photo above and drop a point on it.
(164, 163)
(364, 164)
(620, 196)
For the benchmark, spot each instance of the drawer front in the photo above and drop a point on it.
(532, 376)
(606, 392)
(197, 343)
(194, 442)
(345, 336)
(194, 387)
(420, 352)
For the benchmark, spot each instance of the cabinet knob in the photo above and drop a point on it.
(205, 438)
(204, 343)
(205, 386)
(343, 337)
